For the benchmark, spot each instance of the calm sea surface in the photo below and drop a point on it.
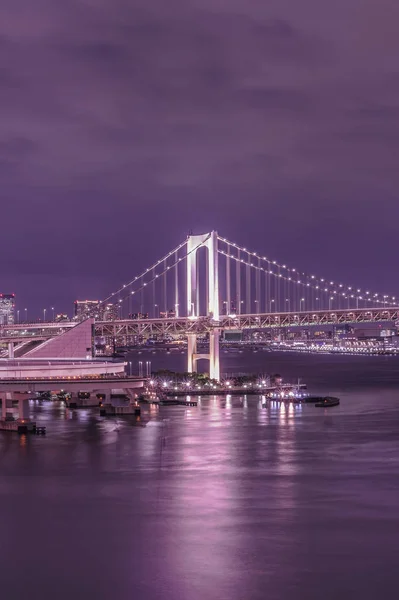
(229, 500)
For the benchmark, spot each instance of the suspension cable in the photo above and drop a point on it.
(121, 289)
(290, 279)
(351, 291)
(162, 272)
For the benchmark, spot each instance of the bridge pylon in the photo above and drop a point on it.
(193, 357)
(194, 242)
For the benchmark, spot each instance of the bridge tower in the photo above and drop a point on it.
(194, 242)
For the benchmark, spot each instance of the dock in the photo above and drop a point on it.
(176, 402)
(21, 426)
(286, 390)
(119, 410)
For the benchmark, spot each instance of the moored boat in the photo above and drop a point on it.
(327, 402)
(313, 399)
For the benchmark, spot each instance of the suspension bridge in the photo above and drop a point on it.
(208, 284)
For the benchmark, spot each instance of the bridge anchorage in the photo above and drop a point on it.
(207, 285)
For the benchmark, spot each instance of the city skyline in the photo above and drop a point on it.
(161, 289)
(269, 282)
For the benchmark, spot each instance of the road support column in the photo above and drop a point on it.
(214, 361)
(191, 352)
(23, 406)
(6, 402)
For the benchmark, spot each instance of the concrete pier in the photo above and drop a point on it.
(193, 357)
(6, 405)
(23, 405)
(9, 421)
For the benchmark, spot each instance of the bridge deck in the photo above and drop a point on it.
(186, 325)
(181, 326)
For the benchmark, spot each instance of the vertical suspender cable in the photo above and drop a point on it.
(165, 296)
(176, 307)
(153, 310)
(248, 307)
(238, 282)
(207, 258)
(228, 282)
(141, 297)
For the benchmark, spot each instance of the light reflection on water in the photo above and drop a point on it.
(235, 498)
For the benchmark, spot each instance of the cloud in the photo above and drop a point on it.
(194, 110)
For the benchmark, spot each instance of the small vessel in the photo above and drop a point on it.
(313, 399)
(327, 402)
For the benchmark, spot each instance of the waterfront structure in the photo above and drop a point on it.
(62, 363)
(7, 309)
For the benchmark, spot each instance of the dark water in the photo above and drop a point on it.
(228, 500)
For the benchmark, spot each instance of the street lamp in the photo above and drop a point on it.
(44, 313)
(300, 303)
(270, 305)
(289, 304)
(156, 311)
(26, 315)
(331, 298)
(257, 306)
(52, 308)
(17, 316)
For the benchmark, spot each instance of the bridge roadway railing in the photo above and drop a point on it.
(200, 325)
(309, 318)
(38, 331)
(176, 326)
(149, 327)
(39, 325)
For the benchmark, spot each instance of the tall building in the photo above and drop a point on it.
(108, 312)
(94, 308)
(86, 308)
(7, 309)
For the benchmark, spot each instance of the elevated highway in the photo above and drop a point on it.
(70, 383)
(199, 325)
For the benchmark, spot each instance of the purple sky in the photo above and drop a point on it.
(126, 123)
